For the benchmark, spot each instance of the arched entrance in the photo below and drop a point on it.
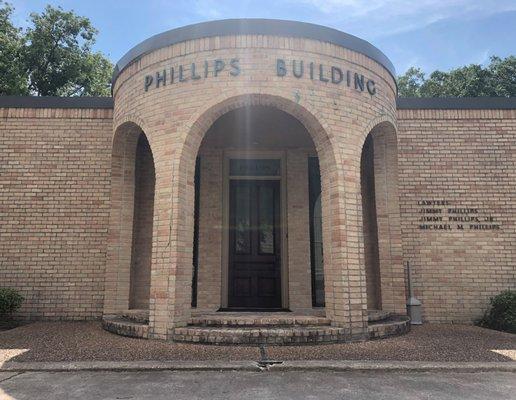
(253, 172)
(385, 275)
(337, 293)
(128, 269)
(370, 226)
(259, 208)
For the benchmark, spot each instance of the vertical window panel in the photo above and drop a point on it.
(242, 219)
(266, 219)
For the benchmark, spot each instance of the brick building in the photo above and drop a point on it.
(250, 166)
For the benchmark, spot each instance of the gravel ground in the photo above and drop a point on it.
(428, 342)
(87, 341)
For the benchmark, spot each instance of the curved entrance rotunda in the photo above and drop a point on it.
(273, 182)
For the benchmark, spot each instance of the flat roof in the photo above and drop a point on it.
(55, 102)
(253, 26)
(456, 103)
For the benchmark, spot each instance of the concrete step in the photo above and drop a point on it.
(139, 316)
(394, 325)
(282, 329)
(377, 315)
(255, 329)
(257, 320)
(293, 335)
(125, 327)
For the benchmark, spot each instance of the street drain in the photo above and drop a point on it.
(265, 363)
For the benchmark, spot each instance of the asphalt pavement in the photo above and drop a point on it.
(231, 385)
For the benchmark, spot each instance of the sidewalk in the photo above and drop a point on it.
(238, 385)
(258, 366)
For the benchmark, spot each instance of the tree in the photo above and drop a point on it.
(55, 56)
(498, 79)
(12, 75)
(503, 76)
(411, 82)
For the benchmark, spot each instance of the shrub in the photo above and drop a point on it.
(502, 313)
(10, 301)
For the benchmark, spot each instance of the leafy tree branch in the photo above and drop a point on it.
(498, 79)
(52, 57)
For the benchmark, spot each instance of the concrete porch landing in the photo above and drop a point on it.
(262, 319)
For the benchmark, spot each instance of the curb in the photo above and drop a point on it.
(257, 366)
(129, 366)
(394, 366)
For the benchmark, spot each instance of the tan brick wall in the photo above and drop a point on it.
(54, 207)
(210, 231)
(299, 272)
(465, 157)
(175, 117)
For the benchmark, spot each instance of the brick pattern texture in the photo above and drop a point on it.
(210, 231)
(468, 158)
(54, 208)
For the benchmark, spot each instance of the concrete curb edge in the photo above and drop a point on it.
(256, 366)
(129, 366)
(406, 366)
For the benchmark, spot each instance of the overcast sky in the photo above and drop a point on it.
(431, 34)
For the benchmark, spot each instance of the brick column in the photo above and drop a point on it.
(299, 269)
(171, 287)
(210, 231)
(344, 282)
(164, 246)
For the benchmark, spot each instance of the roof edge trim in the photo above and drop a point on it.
(253, 26)
(456, 103)
(55, 102)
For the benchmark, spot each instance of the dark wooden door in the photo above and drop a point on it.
(254, 244)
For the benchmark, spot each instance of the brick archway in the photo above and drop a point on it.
(339, 308)
(128, 267)
(202, 120)
(382, 249)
